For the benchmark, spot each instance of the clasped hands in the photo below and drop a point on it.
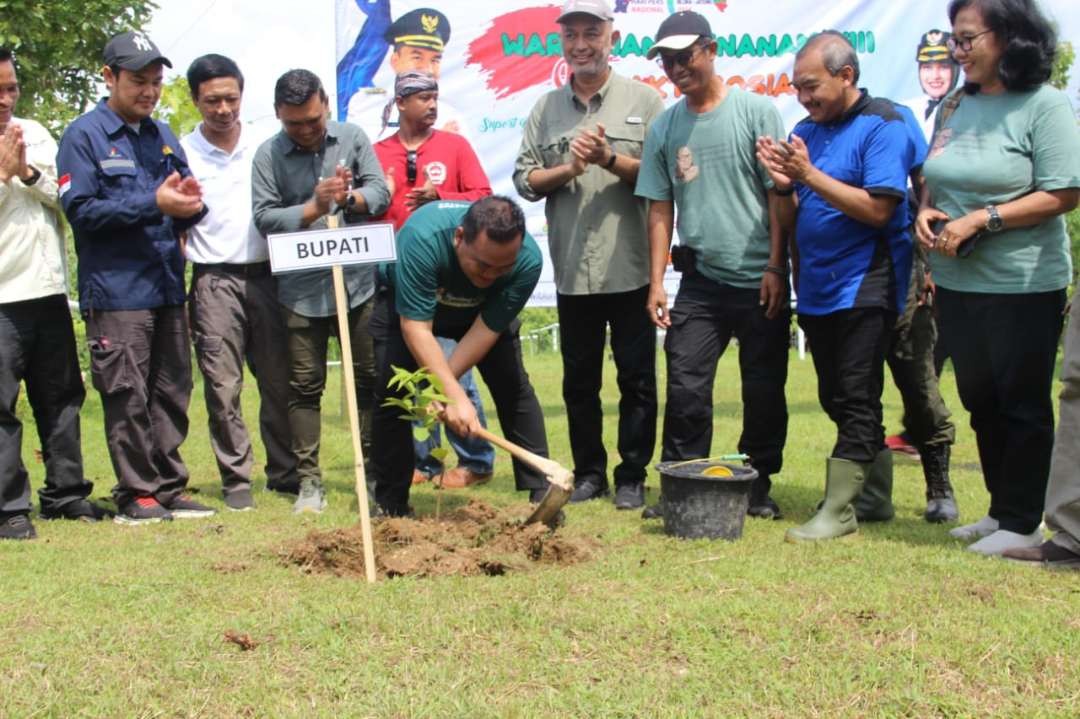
(590, 148)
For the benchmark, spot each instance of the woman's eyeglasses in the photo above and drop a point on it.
(955, 43)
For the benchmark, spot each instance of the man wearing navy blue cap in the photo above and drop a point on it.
(699, 159)
(127, 191)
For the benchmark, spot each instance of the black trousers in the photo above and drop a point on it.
(848, 348)
(704, 318)
(140, 363)
(503, 371)
(1003, 349)
(37, 345)
(583, 323)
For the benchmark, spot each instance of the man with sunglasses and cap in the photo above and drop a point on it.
(580, 153)
(423, 165)
(417, 40)
(127, 191)
(700, 158)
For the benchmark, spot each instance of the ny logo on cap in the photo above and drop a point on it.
(141, 42)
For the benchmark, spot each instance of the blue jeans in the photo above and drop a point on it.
(473, 453)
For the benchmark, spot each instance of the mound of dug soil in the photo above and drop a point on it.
(475, 539)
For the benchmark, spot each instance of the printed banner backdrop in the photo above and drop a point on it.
(498, 62)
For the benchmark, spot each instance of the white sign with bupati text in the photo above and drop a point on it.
(351, 245)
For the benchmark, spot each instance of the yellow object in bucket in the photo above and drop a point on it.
(718, 470)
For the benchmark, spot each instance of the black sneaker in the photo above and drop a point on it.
(588, 488)
(184, 507)
(764, 508)
(142, 510)
(81, 510)
(630, 495)
(17, 526)
(239, 500)
(655, 511)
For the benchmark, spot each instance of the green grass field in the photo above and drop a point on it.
(110, 621)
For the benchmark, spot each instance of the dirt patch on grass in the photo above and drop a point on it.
(473, 540)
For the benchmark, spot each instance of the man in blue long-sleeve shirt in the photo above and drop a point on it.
(128, 194)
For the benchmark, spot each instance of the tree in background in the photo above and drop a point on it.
(177, 108)
(58, 48)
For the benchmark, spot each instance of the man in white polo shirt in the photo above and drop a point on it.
(235, 315)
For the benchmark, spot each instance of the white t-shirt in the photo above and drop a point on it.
(227, 233)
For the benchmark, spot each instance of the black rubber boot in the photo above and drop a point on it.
(874, 503)
(940, 500)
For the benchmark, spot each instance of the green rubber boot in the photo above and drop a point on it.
(836, 517)
(874, 503)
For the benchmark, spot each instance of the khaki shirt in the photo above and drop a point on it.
(596, 226)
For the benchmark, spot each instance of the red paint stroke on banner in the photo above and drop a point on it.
(508, 74)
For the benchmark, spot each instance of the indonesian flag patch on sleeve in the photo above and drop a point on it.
(64, 184)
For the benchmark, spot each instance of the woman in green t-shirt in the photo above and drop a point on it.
(1003, 167)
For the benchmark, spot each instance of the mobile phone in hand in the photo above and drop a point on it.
(966, 247)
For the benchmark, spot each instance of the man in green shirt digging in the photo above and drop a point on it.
(464, 272)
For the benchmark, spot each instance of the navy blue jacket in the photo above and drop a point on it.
(129, 253)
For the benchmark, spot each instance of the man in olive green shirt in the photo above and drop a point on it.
(580, 152)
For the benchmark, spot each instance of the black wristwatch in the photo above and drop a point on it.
(35, 175)
(611, 163)
(350, 202)
(994, 223)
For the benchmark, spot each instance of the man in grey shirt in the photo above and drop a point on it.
(314, 167)
(580, 153)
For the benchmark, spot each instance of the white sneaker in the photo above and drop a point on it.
(984, 527)
(996, 543)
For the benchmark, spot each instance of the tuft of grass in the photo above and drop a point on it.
(895, 621)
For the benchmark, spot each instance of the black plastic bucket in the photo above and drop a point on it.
(697, 506)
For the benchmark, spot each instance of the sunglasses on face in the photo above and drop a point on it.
(684, 58)
(410, 166)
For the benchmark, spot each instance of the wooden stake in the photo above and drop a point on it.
(349, 380)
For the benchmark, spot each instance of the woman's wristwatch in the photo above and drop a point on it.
(994, 222)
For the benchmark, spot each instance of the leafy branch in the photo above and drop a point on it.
(422, 401)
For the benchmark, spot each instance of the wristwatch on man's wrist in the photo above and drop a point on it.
(350, 202)
(35, 175)
(994, 222)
